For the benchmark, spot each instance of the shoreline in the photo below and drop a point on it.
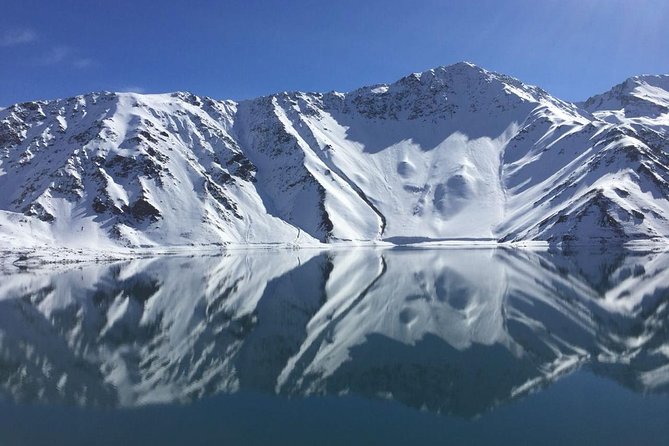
(36, 256)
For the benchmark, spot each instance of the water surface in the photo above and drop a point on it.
(363, 346)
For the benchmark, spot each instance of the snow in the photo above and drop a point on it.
(454, 154)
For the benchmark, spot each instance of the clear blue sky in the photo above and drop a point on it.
(240, 49)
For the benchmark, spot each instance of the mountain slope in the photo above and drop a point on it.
(452, 153)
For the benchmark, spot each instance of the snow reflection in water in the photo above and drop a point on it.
(450, 331)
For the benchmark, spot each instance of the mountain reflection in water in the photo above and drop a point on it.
(448, 331)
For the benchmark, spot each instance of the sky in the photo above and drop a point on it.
(231, 49)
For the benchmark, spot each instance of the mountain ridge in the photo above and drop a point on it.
(451, 153)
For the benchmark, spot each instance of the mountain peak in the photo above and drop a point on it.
(636, 96)
(458, 79)
(456, 70)
(655, 80)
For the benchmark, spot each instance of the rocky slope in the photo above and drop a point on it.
(453, 153)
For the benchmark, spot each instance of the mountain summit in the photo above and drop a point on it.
(452, 153)
(637, 96)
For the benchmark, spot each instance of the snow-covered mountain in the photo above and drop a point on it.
(448, 331)
(453, 153)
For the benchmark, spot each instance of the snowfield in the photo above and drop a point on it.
(455, 154)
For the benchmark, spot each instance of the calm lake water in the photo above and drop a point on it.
(362, 346)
